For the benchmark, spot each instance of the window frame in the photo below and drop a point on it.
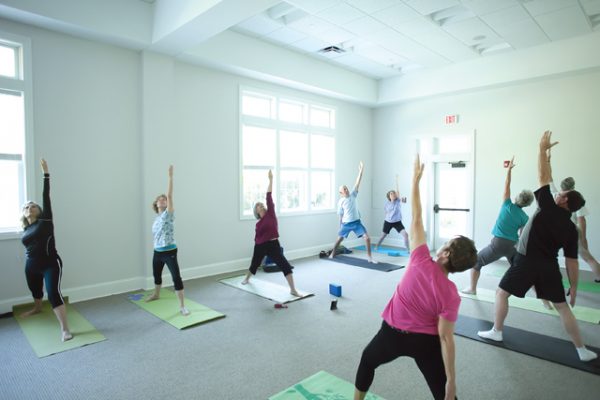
(277, 125)
(22, 83)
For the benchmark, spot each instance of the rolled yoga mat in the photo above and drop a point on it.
(359, 262)
(268, 290)
(547, 348)
(586, 314)
(167, 309)
(321, 386)
(43, 330)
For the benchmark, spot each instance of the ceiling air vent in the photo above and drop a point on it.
(332, 49)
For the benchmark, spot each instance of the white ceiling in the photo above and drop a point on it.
(394, 50)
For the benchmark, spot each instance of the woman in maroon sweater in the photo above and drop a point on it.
(266, 241)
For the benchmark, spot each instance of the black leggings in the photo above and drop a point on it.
(390, 343)
(273, 250)
(46, 269)
(158, 262)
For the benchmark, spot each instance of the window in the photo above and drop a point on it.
(14, 93)
(296, 140)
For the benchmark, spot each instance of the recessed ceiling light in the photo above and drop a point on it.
(478, 38)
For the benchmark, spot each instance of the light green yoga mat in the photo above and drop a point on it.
(167, 309)
(582, 313)
(321, 386)
(43, 330)
(582, 286)
(268, 290)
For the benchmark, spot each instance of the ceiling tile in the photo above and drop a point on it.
(364, 26)
(259, 25)
(313, 6)
(506, 17)
(396, 15)
(311, 25)
(564, 23)
(309, 44)
(442, 43)
(417, 26)
(467, 30)
(285, 35)
(426, 7)
(371, 6)
(591, 7)
(381, 55)
(539, 7)
(525, 33)
(340, 14)
(336, 35)
(481, 7)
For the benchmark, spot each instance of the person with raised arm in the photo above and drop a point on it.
(393, 216)
(510, 221)
(418, 321)
(165, 248)
(43, 265)
(266, 240)
(536, 261)
(350, 216)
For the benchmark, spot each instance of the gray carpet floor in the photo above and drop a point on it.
(257, 350)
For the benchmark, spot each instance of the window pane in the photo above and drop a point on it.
(321, 190)
(291, 112)
(255, 184)
(293, 191)
(258, 146)
(322, 151)
(322, 117)
(258, 106)
(12, 128)
(293, 149)
(8, 65)
(12, 194)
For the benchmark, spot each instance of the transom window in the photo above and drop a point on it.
(296, 140)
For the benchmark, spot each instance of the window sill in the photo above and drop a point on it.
(10, 235)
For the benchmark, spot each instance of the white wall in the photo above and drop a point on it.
(110, 121)
(509, 121)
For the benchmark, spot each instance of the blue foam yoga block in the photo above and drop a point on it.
(393, 253)
(335, 290)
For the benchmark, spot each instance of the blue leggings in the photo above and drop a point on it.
(158, 262)
(45, 269)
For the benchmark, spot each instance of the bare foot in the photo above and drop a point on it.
(33, 311)
(66, 335)
(547, 305)
(295, 293)
(469, 291)
(245, 281)
(153, 297)
(184, 311)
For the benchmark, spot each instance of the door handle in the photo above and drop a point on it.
(437, 208)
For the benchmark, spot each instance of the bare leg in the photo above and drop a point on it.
(290, 280)
(501, 308)
(475, 274)
(335, 246)
(155, 295)
(380, 240)
(569, 322)
(358, 395)
(61, 315)
(368, 244)
(182, 309)
(37, 308)
(247, 278)
(594, 265)
(406, 241)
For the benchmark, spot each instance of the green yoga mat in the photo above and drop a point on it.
(43, 330)
(582, 313)
(321, 386)
(582, 286)
(268, 290)
(167, 309)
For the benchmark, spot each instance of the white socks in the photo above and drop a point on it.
(184, 311)
(372, 261)
(585, 354)
(492, 334)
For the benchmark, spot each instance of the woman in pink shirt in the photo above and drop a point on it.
(266, 241)
(418, 321)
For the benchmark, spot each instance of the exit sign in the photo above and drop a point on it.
(451, 119)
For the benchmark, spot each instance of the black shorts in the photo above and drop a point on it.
(387, 226)
(544, 275)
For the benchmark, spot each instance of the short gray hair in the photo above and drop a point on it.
(524, 199)
(256, 214)
(567, 184)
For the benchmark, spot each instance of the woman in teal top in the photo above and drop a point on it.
(510, 221)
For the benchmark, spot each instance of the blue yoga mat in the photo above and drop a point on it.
(385, 250)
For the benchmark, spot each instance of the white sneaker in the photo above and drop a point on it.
(372, 261)
(492, 334)
(468, 290)
(184, 311)
(586, 355)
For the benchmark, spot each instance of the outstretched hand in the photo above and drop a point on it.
(361, 166)
(418, 169)
(270, 175)
(545, 142)
(170, 171)
(44, 166)
(511, 164)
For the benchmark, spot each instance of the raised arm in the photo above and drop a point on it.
(46, 204)
(170, 207)
(417, 231)
(359, 177)
(511, 165)
(270, 188)
(446, 333)
(544, 167)
(398, 186)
